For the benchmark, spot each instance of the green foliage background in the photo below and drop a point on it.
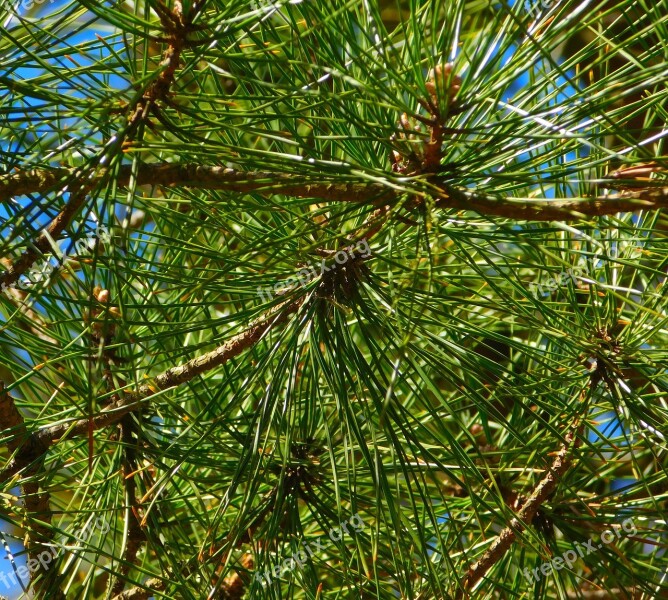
(428, 392)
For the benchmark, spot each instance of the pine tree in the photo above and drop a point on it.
(325, 299)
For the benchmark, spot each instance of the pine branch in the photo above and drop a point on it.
(525, 515)
(203, 177)
(38, 443)
(78, 183)
(37, 518)
(550, 210)
(176, 375)
(144, 592)
(31, 320)
(221, 178)
(43, 244)
(176, 28)
(31, 452)
(135, 534)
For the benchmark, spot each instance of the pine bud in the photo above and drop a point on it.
(442, 83)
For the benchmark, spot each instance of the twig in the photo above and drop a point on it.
(43, 244)
(135, 534)
(139, 111)
(222, 178)
(31, 321)
(177, 30)
(525, 515)
(144, 592)
(37, 512)
(39, 442)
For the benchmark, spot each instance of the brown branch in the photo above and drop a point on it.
(37, 517)
(201, 177)
(78, 184)
(442, 84)
(144, 592)
(39, 442)
(525, 515)
(176, 28)
(31, 321)
(10, 418)
(550, 210)
(222, 178)
(43, 244)
(135, 536)
(175, 376)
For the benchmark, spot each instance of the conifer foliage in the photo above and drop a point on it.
(334, 299)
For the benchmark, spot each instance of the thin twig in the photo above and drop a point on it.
(39, 442)
(43, 244)
(144, 592)
(525, 515)
(37, 518)
(30, 320)
(135, 534)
